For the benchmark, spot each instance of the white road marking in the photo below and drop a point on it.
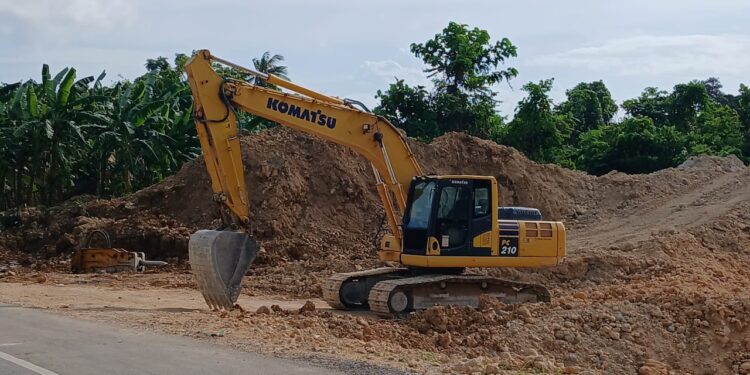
(26, 365)
(11, 344)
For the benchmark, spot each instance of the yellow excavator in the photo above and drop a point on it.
(439, 225)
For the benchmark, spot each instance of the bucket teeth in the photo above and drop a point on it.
(218, 260)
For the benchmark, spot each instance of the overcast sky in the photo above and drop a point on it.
(353, 48)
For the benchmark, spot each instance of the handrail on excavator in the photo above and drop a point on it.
(274, 80)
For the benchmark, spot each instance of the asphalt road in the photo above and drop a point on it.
(34, 342)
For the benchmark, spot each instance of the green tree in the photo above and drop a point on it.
(686, 103)
(463, 59)
(743, 106)
(713, 89)
(743, 110)
(158, 64)
(464, 65)
(717, 131)
(652, 103)
(410, 108)
(634, 146)
(270, 65)
(537, 130)
(147, 131)
(589, 105)
(471, 114)
(9, 163)
(52, 122)
(61, 135)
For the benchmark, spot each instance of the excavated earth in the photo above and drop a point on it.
(657, 279)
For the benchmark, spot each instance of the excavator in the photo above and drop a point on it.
(439, 224)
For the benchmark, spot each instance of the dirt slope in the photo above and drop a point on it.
(657, 273)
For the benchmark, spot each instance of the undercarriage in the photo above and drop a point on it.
(395, 292)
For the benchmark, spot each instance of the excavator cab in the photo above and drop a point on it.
(445, 214)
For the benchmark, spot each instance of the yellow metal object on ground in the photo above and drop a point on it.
(103, 260)
(89, 259)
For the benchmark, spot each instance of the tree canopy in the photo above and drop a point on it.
(464, 59)
(63, 135)
(537, 130)
(589, 106)
(463, 64)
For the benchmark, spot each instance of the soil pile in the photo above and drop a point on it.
(313, 204)
(315, 210)
(656, 277)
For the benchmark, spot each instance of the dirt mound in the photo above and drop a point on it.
(314, 207)
(556, 191)
(680, 297)
(309, 197)
(729, 164)
(656, 275)
(310, 200)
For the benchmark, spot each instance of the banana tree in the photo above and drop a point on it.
(128, 147)
(56, 133)
(57, 110)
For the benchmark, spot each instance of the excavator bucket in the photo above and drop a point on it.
(219, 259)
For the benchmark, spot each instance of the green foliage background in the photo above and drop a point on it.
(587, 131)
(63, 135)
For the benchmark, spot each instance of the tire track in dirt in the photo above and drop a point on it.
(680, 212)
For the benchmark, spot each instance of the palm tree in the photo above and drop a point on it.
(265, 64)
(270, 65)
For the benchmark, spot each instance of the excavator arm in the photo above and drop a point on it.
(220, 258)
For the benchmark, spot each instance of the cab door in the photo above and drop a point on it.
(418, 219)
(481, 218)
(453, 217)
(463, 218)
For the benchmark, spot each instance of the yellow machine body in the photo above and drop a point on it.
(92, 259)
(511, 243)
(533, 243)
(103, 260)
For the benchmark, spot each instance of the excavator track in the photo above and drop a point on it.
(332, 288)
(395, 298)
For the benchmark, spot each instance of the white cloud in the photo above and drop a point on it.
(389, 70)
(658, 55)
(55, 15)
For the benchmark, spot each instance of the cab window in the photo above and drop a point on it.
(453, 203)
(421, 207)
(481, 201)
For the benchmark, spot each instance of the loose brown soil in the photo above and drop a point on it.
(656, 281)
